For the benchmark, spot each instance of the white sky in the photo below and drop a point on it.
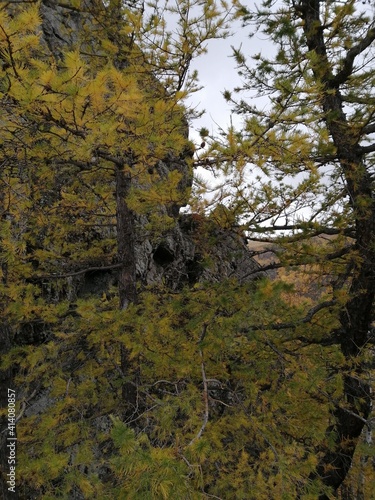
(217, 72)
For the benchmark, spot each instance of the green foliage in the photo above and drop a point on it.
(300, 167)
(252, 376)
(238, 385)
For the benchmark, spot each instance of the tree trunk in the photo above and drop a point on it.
(356, 316)
(127, 284)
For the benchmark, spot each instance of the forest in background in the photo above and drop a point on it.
(223, 351)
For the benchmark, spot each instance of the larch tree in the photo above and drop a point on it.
(92, 110)
(221, 384)
(300, 171)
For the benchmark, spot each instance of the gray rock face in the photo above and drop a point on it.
(61, 26)
(179, 256)
(197, 250)
(191, 250)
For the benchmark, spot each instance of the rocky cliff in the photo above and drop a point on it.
(191, 249)
(177, 256)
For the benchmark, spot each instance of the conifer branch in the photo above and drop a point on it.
(77, 273)
(347, 67)
(205, 389)
(292, 324)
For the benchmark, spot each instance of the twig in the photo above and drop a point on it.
(24, 405)
(77, 273)
(205, 389)
(283, 326)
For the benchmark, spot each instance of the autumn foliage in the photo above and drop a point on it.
(250, 389)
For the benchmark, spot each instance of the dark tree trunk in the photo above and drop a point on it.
(356, 316)
(125, 240)
(127, 284)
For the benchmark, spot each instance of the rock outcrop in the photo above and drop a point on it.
(191, 250)
(179, 256)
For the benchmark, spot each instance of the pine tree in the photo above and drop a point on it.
(301, 166)
(227, 387)
(86, 123)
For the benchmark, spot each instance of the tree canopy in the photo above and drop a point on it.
(302, 166)
(145, 365)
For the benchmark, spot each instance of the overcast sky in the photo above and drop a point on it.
(217, 72)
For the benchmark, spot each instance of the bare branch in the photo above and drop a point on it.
(293, 324)
(203, 333)
(300, 227)
(366, 149)
(77, 273)
(119, 162)
(369, 129)
(347, 67)
(268, 267)
(23, 407)
(205, 389)
(367, 422)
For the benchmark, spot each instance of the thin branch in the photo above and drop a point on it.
(10, 52)
(24, 405)
(262, 269)
(258, 253)
(352, 53)
(275, 350)
(203, 333)
(67, 386)
(77, 273)
(363, 420)
(292, 325)
(205, 399)
(339, 253)
(366, 422)
(205, 389)
(82, 165)
(62, 123)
